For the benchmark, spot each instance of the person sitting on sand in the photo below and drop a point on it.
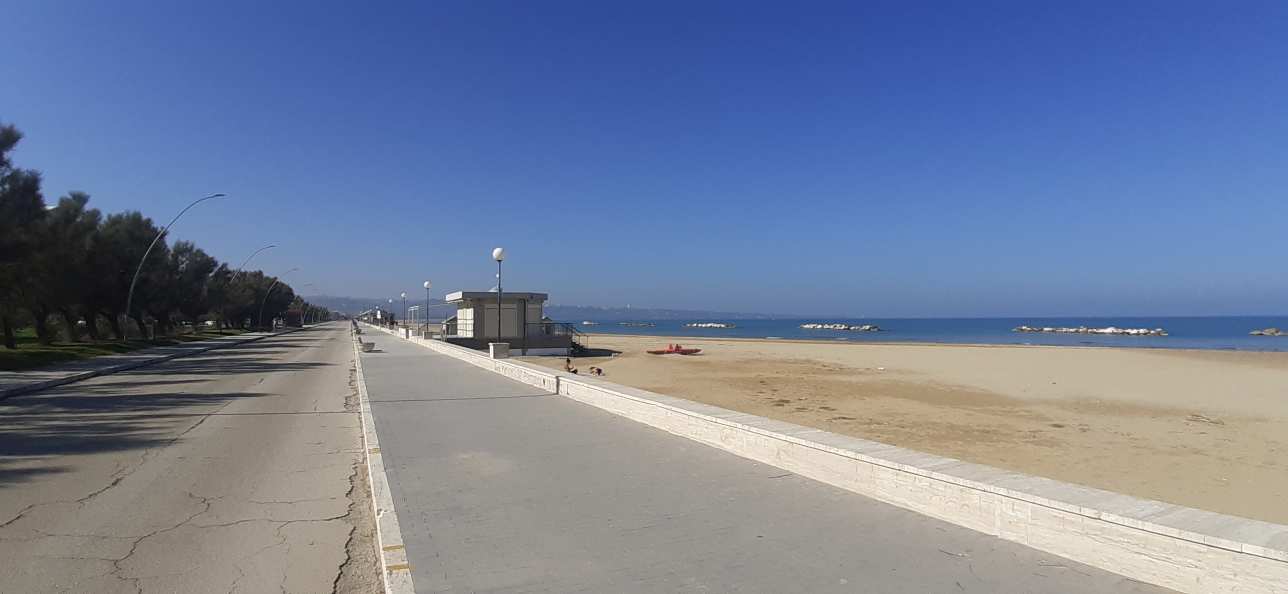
(568, 366)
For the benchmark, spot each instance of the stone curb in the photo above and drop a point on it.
(395, 569)
(84, 375)
(1182, 548)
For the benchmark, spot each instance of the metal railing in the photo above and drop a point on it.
(552, 328)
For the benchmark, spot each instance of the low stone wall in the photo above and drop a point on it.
(1185, 549)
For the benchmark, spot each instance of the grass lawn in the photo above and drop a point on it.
(30, 354)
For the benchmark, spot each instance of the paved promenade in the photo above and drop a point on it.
(502, 488)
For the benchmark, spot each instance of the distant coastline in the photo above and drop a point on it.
(1204, 333)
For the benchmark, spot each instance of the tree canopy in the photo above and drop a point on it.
(67, 265)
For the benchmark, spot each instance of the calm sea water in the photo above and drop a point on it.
(1226, 333)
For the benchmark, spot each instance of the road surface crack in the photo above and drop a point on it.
(241, 573)
(360, 570)
(353, 530)
(118, 475)
(116, 564)
(22, 512)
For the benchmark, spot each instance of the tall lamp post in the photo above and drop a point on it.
(404, 298)
(224, 314)
(268, 292)
(129, 298)
(426, 330)
(247, 261)
(304, 313)
(498, 254)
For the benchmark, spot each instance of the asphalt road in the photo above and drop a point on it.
(222, 472)
(500, 487)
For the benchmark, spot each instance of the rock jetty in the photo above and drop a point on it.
(840, 326)
(1269, 332)
(1085, 330)
(709, 325)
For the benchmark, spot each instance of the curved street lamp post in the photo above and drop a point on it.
(269, 292)
(129, 298)
(224, 314)
(307, 307)
(247, 261)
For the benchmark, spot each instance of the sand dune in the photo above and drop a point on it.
(1204, 429)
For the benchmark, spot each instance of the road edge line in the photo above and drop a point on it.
(395, 570)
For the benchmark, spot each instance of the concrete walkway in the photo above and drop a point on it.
(13, 383)
(502, 488)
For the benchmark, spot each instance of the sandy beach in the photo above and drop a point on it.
(1206, 429)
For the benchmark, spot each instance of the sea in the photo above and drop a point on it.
(1210, 333)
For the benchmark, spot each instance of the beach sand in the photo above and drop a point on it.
(1205, 429)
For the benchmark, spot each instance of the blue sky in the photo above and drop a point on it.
(866, 159)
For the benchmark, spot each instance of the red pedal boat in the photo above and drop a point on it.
(675, 349)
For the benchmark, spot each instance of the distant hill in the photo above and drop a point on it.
(563, 313)
(353, 305)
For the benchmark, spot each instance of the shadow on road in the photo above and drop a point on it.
(216, 367)
(133, 410)
(35, 430)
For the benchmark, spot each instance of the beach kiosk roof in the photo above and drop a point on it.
(461, 296)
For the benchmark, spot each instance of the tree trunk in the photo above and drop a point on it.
(91, 325)
(114, 320)
(9, 341)
(41, 315)
(163, 326)
(70, 321)
(143, 329)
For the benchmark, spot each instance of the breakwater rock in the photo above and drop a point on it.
(840, 326)
(1113, 330)
(1269, 332)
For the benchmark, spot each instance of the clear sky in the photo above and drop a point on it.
(858, 158)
